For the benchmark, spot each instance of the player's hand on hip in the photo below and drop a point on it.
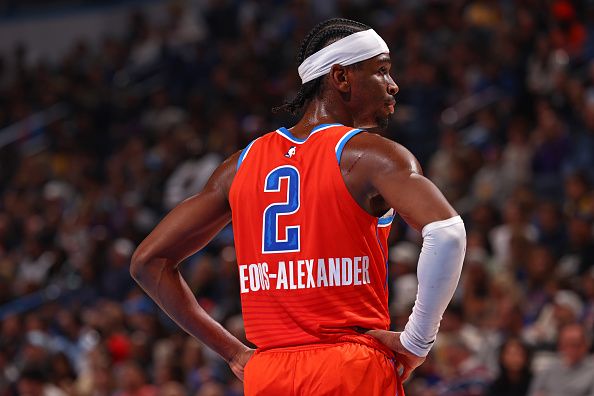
(406, 359)
(238, 362)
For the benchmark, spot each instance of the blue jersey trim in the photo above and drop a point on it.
(286, 133)
(343, 142)
(244, 153)
(324, 126)
(385, 220)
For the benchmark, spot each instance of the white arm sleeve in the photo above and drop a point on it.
(438, 272)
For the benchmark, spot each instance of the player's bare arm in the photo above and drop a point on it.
(185, 230)
(382, 174)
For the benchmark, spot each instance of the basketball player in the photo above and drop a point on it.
(311, 208)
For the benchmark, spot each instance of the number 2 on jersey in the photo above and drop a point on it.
(271, 243)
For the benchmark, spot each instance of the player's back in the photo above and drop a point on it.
(312, 262)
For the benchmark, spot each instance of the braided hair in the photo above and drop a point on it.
(320, 36)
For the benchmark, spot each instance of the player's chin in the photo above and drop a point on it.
(382, 122)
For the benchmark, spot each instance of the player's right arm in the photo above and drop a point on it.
(185, 230)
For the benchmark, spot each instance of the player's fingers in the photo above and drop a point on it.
(405, 373)
(383, 336)
(375, 333)
(399, 369)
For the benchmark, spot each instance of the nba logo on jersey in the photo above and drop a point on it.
(291, 152)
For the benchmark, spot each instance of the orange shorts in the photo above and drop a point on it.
(321, 369)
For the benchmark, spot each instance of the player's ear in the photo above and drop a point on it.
(339, 78)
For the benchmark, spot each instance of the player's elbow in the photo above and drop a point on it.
(455, 237)
(449, 237)
(139, 263)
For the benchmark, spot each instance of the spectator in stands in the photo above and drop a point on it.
(462, 373)
(515, 374)
(571, 373)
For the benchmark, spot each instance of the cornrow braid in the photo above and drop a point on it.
(320, 36)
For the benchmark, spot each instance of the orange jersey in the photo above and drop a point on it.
(312, 262)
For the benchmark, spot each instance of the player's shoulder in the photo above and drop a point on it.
(380, 153)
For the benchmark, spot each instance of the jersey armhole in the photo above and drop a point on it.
(387, 219)
(244, 153)
(384, 220)
(343, 141)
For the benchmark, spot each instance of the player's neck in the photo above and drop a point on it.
(325, 111)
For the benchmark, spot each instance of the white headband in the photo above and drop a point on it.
(354, 48)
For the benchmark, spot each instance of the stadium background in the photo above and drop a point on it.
(113, 112)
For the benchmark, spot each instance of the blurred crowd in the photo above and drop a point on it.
(496, 100)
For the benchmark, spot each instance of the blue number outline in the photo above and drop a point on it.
(276, 209)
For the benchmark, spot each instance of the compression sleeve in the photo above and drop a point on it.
(438, 272)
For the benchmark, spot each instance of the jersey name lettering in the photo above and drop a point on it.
(305, 274)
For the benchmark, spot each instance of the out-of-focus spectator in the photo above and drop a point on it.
(463, 374)
(579, 254)
(172, 389)
(490, 184)
(537, 276)
(443, 158)
(582, 157)
(162, 116)
(131, 381)
(543, 66)
(550, 228)
(515, 226)
(588, 291)
(568, 32)
(551, 150)
(517, 155)
(404, 256)
(571, 374)
(515, 373)
(189, 178)
(33, 382)
(116, 278)
(578, 200)
(211, 389)
(96, 376)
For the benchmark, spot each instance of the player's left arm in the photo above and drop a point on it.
(395, 174)
(185, 230)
